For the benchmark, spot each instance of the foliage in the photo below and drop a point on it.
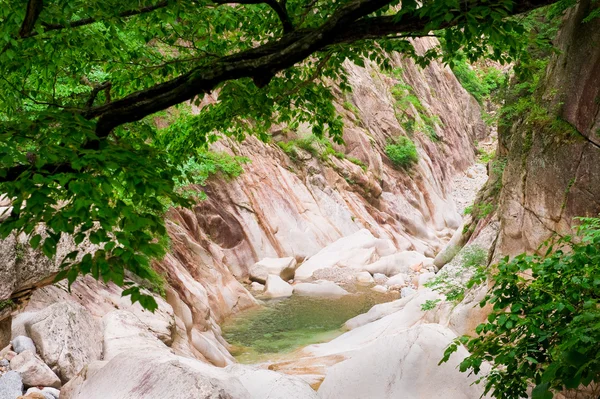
(205, 164)
(480, 210)
(430, 304)
(544, 329)
(407, 100)
(402, 152)
(7, 303)
(453, 282)
(320, 148)
(81, 152)
(481, 83)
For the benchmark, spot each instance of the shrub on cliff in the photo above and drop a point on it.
(544, 329)
(402, 152)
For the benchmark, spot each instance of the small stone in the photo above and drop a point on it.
(257, 286)
(34, 371)
(380, 288)
(4, 363)
(11, 385)
(406, 291)
(51, 393)
(22, 343)
(46, 393)
(364, 278)
(380, 278)
(4, 351)
(397, 280)
(9, 355)
(33, 395)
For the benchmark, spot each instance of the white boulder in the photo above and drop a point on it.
(282, 267)
(11, 385)
(321, 288)
(267, 384)
(34, 371)
(397, 280)
(275, 287)
(257, 287)
(355, 251)
(67, 337)
(402, 262)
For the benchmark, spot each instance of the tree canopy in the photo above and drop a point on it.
(80, 82)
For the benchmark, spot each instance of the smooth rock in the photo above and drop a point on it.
(258, 274)
(123, 331)
(320, 288)
(397, 280)
(424, 278)
(33, 371)
(398, 263)
(11, 385)
(267, 384)
(22, 343)
(402, 366)
(67, 337)
(257, 286)
(275, 287)
(364, 278)
(355, 250)
(407, 291)
(380, 288)
(147, 375)
(282, 267)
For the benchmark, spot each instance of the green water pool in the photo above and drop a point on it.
(281, 326)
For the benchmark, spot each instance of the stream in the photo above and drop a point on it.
(270, 332)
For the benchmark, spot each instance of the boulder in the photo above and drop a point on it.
(267, 384)
(282, 267)
(123, 331)
(33, 371)
(364, 278)
(380, 278)
(149, 375)
(11, 385)
(67, 338)
(275, 287)
(401, 262)
(402, 366)
(321, 288)
(22, 344)
(423, 278)
(258, 274)
(407, 291)
(356, 250)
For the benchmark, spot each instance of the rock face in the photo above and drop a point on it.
(155, 376)
(553, 176)
(67, 338)
(402, 366)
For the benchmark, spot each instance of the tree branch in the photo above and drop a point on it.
(34, 8)
(347, 25)
(278, 7)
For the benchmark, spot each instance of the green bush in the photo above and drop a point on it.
(402, 152)
(544, 327)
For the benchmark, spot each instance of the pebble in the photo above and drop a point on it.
(380, 278)
(23, 343)
(380, 288)
(47, 393)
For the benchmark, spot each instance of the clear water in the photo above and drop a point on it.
(281, 326)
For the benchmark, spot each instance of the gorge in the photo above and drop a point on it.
(314, 269)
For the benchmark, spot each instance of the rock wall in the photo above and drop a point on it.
(552, 176)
